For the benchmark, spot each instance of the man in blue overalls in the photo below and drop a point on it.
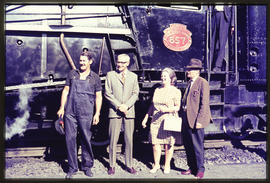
(81, 92)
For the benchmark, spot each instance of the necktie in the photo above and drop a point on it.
(184, 101)
(123, 77)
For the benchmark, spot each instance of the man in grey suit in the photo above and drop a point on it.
(196, 116)
(121, 90)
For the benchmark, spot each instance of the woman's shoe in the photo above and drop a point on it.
(154, 169)
(167, 170)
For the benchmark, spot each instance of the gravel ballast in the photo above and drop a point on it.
(249, 163)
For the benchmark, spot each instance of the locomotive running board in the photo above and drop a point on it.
(34, 85)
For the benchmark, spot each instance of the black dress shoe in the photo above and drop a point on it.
(88, 173)
(187, 172)
(131, 170)
(70, 175)
(111, 171)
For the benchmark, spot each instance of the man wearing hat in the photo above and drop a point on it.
(82, 92)
(196, 116)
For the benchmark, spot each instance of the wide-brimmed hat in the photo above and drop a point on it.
(58, 126)
(194, 63)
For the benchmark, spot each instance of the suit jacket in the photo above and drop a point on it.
(198, 108)
(118, 93)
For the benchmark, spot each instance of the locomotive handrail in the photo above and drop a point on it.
(65, 29)
(70, 18)
(34, 85)
(40, 84)
(12, 9)
(208, 40)
(95, 15)
(235, 47)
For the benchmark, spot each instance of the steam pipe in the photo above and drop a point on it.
(62, 43)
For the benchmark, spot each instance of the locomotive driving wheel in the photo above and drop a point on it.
(99, 137)
(234, 129)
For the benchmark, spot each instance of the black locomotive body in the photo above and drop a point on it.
(43, 43)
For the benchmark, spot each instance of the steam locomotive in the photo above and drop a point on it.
(43, 43)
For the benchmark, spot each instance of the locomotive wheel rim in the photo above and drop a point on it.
(232, 134)
(100, 143)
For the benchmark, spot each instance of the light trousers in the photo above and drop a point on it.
(114, 132)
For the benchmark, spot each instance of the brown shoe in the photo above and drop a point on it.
(187, 172)
(200, 175)
(111, 171)
(131, 170)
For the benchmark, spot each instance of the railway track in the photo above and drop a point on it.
(40, 151)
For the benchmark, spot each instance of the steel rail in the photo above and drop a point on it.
(40, 151)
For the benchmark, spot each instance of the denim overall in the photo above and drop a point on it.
(78, 115)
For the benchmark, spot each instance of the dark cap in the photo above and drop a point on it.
(194, 64)
(86, 53)
(58, 126)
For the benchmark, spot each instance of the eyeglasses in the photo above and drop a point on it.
(121, 62)
(192, 69)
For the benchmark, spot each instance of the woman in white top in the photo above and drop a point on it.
(166, 100)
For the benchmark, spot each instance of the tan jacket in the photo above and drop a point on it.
(118, 93)
(198, 108)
